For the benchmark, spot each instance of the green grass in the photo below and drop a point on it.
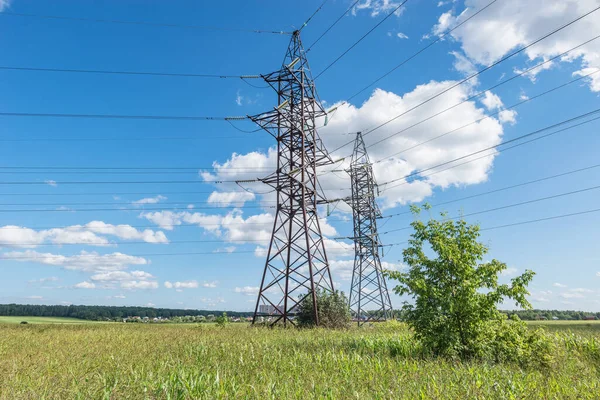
(574, 326)
(145, 361)
(43, 320)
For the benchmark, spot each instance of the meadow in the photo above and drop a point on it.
(42, 320)
(146, 361)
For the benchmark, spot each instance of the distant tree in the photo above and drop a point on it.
(222, 320)
(455, 295)
(332, 308)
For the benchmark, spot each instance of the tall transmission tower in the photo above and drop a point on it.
(297, 265)
(369, 297)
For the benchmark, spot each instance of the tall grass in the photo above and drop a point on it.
(117, 361)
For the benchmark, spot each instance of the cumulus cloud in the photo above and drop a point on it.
(49, 182)
(132, 285)
(231, 226)
(84, 261)
(381, 107)
(236, 199)
(376, 7)
(84, 285)
(401, 35)
(92, 233)
(247, 290)
(559, 285)
(522, 23)
(211, 285)
(44, 280)
(181, 285)
(149, 200)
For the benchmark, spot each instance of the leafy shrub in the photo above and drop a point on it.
(456, 296)
(332, 309)
(222, 320)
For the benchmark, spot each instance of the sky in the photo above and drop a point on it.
(182, 241)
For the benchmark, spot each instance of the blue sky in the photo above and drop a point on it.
(561, 251)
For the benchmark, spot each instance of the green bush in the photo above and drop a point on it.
(332, 307)
(454, 312)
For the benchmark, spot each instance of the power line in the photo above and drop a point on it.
(413, 174)
(542, 219)
(154, 226)
(361, 39)
(129, 182)
(312, 15)
(117, 72)
(546, 178)
(488, 116)
(199, 27)
(440, 38)
(472, 76)
(331, 26)
(475, 96)
(129, 209)
(487, 68)
(118, 116)
(101, 256)
(522, 203)
(119, 139)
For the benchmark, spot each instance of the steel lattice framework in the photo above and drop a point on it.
(297, 265)
(369, 297)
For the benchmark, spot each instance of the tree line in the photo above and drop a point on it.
(102, 313)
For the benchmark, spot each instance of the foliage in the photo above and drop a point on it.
(456, 294)
(102, 313)
(222, 320)
(333, 311)
(176, 361)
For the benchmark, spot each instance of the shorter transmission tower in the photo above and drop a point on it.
(369, 296)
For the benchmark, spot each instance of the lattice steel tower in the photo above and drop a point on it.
(297, 264)
(369, 296)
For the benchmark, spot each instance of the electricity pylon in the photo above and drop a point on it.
(369, 297)
(297, 265)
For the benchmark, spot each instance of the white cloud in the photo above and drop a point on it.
(559, 285)
(236, 199)
(132, 285)
(211, 285)
(231, 227)
(149, 200)
(84, 261)
(238, 98)
(150, 304)
(49, 182)
(4, 4)
(377, 7)
(401, 35)
(119, 296)
(523, 96)
(492, 101)
(115, 276)
(260, 251)
(34, 297)
(247, 290)
(572, 295)
(181, 285)
(85, 285)
(522, 22)
(43, 280)
(17, 236)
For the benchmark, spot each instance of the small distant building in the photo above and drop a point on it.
(589, 318)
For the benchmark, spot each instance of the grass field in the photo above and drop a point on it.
(43, 320)
(139, 361)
